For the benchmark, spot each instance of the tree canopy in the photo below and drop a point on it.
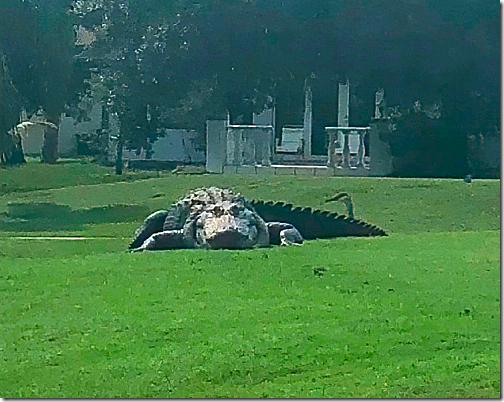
(176, 63)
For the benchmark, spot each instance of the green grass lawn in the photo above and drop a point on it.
(66, 172)
(412, 315)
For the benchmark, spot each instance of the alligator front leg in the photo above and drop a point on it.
(168, 239)
(284, 234)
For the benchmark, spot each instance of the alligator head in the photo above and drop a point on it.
(227, 224)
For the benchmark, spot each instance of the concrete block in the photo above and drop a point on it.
(304, 171)
(265, 170)
(284, 170)
(324, 171)
(229, 169)
(352, 172)
(245, 169)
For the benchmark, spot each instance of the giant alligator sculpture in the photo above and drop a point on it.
(217, 218)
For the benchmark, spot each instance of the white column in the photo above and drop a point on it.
(307, 124)
(380, 104)
(216, 145)
(343, 104)
(343, 119)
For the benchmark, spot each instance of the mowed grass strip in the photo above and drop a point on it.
(397, 205)
(399, 316)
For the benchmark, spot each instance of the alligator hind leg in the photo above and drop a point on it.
(290, 237)
(284, 234)
(165, 240)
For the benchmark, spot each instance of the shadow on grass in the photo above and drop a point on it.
(46, 216)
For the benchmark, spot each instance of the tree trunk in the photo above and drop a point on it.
(119, 157)
(49, 151)
(11, 149)
(4, 146)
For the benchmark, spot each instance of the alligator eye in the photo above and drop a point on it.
(199, 223)
(235, 209)
(218, 210)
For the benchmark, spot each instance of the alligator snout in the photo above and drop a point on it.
(228, 232)
(228, 239)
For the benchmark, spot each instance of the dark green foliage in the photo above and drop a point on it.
(437, 143)
(11, 152)
(176, 63)
(37, 40)
(37, 45)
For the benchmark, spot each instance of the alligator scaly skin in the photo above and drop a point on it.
(315, 224)
(220, 218)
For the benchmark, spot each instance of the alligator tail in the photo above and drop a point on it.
(315, 224)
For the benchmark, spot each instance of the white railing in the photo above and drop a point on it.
(346, 147)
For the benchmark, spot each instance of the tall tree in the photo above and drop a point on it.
(132, 39)
(37, 40)
(10, 103)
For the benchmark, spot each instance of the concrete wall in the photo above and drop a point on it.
(68, 128)
(249, 145)
(380, 162)
(178, 145)
(175, 146)
(33, 139)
